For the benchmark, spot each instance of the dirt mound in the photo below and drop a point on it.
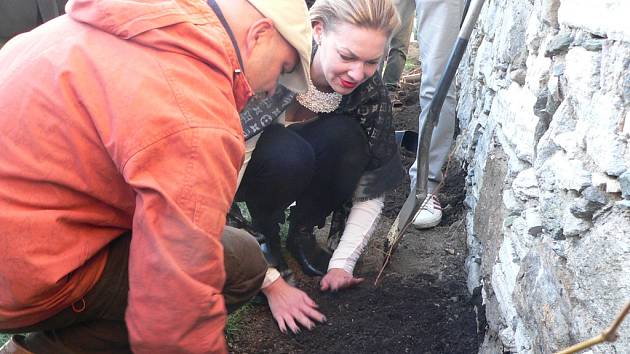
(419, 314)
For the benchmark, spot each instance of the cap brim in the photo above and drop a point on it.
(298, 79)
(291, 19)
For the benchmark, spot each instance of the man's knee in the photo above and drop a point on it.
(245, 266)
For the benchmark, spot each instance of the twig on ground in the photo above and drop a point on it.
(608, 335)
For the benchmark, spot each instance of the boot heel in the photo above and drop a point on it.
(303, 246)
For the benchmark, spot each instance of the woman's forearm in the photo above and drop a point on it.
(359, 228)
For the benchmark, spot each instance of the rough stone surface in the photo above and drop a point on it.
(582, 72)
(559, 44)
(549, 12)
(574, 226)
(607, 18)
(525, 185)
(595, 195)
(558, 110)
(540, 269)
(609, 184)
(592, 45)
(534, 222)
(600, 282)
(584, 209)
(624, 184)
(513, 205)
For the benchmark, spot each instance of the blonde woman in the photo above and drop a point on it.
(327, 150)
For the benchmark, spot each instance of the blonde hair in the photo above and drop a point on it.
(380, 15)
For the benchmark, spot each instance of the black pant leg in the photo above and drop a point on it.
(341, 155)
(280, 169)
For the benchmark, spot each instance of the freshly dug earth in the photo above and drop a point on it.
(420, 304)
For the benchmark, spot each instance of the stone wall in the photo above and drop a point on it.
(544, 111)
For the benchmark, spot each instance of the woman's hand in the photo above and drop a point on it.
(337, 279)
(289, 304)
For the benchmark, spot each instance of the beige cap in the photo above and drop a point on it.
(291, 19)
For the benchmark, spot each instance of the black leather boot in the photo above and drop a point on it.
(271, 246)
(272, 249)
(303, 245)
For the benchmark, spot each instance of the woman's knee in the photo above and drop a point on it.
(282, 151)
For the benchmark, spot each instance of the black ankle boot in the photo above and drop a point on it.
(303, 246)
(272, 250)
(268, 234)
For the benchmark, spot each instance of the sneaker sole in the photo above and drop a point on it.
(427, 226)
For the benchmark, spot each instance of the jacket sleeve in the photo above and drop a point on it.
(359, 228)
(184, 185)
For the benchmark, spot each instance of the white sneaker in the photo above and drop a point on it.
(430, 215)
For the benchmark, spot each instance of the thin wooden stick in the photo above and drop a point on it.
(608, 335)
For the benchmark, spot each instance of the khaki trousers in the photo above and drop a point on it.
(96, 323)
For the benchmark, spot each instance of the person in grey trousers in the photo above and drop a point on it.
(438, 23)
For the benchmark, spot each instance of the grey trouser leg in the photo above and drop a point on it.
(438, 25)
(397, 53)
(96, 323)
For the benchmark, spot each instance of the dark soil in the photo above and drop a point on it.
(420, 304)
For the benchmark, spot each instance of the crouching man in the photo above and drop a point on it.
(121, 144)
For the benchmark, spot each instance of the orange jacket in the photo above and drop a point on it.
(121, 115)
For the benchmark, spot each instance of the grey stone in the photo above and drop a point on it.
(533, 222)
(595, 195)
(473, 268)
(582, 75)
(592, 45)
(540, 285)
(555, 95)
(541, 104)
(512, 204)
(487, 101)
(551, 206)
(540, 110)
(611, 185)
(559, 44)
(624, 183)
(561, 172)
(518, 76)
(549, 12)
(567, 287)
(573, 226)
(525, 185)
(572, 144)
(602, 18)
(508, 221)
(563, 121)
(559, 249)
(558, 69)
(584, 209)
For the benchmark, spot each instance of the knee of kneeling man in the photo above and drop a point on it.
(243, 259)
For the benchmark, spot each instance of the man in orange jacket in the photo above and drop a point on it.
(121, 144)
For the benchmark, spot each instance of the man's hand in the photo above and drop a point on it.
(289, 304)
(337, 279)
